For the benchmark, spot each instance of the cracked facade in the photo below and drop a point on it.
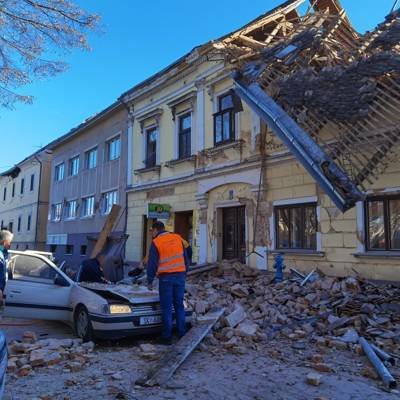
(234, 190)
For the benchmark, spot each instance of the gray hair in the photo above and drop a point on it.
(6, 236)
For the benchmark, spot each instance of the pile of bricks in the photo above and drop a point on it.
(29, 354)
(329, 311)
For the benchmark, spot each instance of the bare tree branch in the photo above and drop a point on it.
(30, 29)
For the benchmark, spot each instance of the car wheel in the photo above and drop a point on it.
(82, 325)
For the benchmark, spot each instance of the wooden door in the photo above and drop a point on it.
(184, 225)
(233, 233)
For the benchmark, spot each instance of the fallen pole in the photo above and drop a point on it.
(380, 368)
(383, 355)
(162, 372)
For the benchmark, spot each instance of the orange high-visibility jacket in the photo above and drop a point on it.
(170, 251)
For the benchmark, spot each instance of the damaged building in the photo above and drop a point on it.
(279, 137)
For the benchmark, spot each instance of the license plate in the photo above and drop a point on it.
(150, 320)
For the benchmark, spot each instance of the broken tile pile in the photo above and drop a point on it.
(28, 354)
(329, 311)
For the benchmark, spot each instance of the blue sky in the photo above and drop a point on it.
(140, 38)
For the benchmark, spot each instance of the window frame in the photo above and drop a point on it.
(302, 207)
(56, 217)
(5, 193)
(22, 187)
(182, 132)
(386, 222)
(13, 190)
(67, 209)
(84, 202)
(148, 131)
(106, 208)
(87, 157)
(57, 169)
(32, 183)
(72, 162)
(109, 147)
(220, 113)
(29, 223)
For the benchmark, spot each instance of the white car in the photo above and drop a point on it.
(38, 289)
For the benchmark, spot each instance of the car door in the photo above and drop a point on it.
(32, 290)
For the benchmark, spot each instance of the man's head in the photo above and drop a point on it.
(157, 227)
(6, 238)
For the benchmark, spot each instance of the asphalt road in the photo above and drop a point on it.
(14, 328)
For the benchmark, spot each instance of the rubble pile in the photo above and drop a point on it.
(328, 311)
(28, 354)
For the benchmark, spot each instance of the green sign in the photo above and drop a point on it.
(158, 211)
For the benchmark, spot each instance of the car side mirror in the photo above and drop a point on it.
(60, 281)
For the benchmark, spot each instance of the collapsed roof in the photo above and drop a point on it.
(330, 94)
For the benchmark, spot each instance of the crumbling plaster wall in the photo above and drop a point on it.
(342, 235)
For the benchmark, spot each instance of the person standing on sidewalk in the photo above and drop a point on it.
(6, 238)
(168, 261)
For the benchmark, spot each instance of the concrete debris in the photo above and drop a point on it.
(26, 356)
(314, 379)
(329, 312)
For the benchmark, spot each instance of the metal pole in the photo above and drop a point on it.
(383, 372)
(383, 355)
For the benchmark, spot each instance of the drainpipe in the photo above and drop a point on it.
(38, 198)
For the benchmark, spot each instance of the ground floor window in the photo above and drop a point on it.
(296, 226)
(382, 216)
(69, 249)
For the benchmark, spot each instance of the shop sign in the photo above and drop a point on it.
(158, 211)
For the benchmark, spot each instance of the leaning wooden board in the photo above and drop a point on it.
(166, 367)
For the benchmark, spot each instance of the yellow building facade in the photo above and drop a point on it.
(219, 177)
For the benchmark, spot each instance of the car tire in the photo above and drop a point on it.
(82, 325)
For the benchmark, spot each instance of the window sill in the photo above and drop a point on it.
(178, 161)
(156, 168)
(298, 252)
(87, 217)
(378, 254)
(234, 144)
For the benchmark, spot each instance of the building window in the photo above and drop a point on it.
(114, 148)
(83, 250)
(59, 172)
(224, 120)
(2, 225)
(383, 223)
(184, 135)
(70, 209)
(13, 190)
(22, 189)
(88, 206)
(32, 184)
(151, 147)
(56, 211)
(11, 226)
(69, 250)
(91, 158)
(74, 166)
(296, 227)
(28, 225)
(110, 198)
(19, 224)
(5, 194)
(53, 248)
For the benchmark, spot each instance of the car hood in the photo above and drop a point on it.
(134, 294)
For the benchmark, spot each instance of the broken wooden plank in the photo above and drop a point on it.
(107, 228)
(307, 278)
(166, 367)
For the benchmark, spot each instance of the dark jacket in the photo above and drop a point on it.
(154, 257)
(90, 271)
(3, 267)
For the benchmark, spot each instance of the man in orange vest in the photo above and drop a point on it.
(168, 261)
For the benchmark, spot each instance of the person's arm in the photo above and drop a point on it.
(2, 275)
(152, 264)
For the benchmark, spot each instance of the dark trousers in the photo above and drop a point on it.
(172, 290)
